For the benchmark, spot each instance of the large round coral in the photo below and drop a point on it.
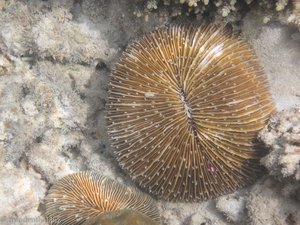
(184, 107)
(78, 197)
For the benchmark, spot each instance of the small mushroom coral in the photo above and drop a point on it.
(79, 197)
(121, 217)
(185, 105)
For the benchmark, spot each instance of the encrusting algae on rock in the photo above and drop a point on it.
(79, 197)
(184, 108)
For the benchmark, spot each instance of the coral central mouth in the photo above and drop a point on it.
(187, 110)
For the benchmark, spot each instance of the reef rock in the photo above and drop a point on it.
(25, 189)
(266, 205)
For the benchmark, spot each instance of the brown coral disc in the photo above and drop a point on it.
(80, 196)
(185, 104)
(121, 217)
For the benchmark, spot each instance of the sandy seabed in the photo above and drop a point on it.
(55, 61)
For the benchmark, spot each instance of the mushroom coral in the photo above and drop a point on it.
(185, 105)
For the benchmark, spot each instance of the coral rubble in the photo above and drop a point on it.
(233, 207)
(282, 136)
(285, 11)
